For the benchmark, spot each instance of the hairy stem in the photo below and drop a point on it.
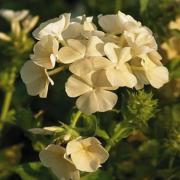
(75, 119)
(57, 70)
(8, 95)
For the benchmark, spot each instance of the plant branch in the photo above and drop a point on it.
(8, 95)
(57, 70)
(75, 119)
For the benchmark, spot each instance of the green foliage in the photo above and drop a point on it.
(33, 171)
(140, 107)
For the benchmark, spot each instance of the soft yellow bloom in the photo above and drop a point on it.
(87, 154)
(36, 79)
(120, 22)
(29, 23)
(53, 27)
(172, 47)
(175, 24)
(11, 15)
(92, 97)
(45, 52)
(80, 49)
(141, 43)
(4, 37)
(118, 73)
(149, 70)
(53, 158)
(81, 27)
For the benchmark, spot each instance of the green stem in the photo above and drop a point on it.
(121, 134)
(75, 119)
(57, 70)
(118, 5)
(137, 68)
(8, 95)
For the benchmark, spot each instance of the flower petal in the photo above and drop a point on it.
(110, 24)
(68, 55)
(124, 55)
(35, 78)
(158, 76)
(52, 27)
(53, 157)
(76, 86)
(45, 52)
(85, 161)
(96, 100)
(89, 65)
(95, 47)
(111, 51)
(121, 77)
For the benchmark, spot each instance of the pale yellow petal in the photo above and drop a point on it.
(34, 77)
(76, 86)
(87, 103)
(85, 161)
(45, 52)
(111, 51)
(121, 77)
(95, 47)
(73, 147)
(124, 55)
(77, 45)
(53, 27)
(158, 76)
(89, 65)
(110, 24)
(96, 100)
(53, 157)
(68, 55)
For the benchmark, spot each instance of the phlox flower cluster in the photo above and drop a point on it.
(123, 53)
(85, 155)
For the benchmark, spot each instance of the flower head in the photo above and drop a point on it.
(11, 15)
(80, 49)
(36, 79)
(53, 158)
(53, 27)
(45, 52)
(118, 73)
(87, 154)
(92, 97)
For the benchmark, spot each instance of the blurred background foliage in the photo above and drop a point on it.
(142, 133)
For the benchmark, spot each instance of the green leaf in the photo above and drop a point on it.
(144, 5)
(25, 119)
(89, 125)
(99, 174)
(102, 133)
(33, 171)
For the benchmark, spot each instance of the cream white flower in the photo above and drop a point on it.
(141, 43)
(175, 24)
(92, 97)
(11, 15)
(172, 47)
(81, 27)
(4, 37)
(53, 158)
(29, 23)
(53, 27)
(45, 52)
(118, 73)
(149, 70)
(117, 23)
(87, 154)
(80, 49)
(36, 79)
